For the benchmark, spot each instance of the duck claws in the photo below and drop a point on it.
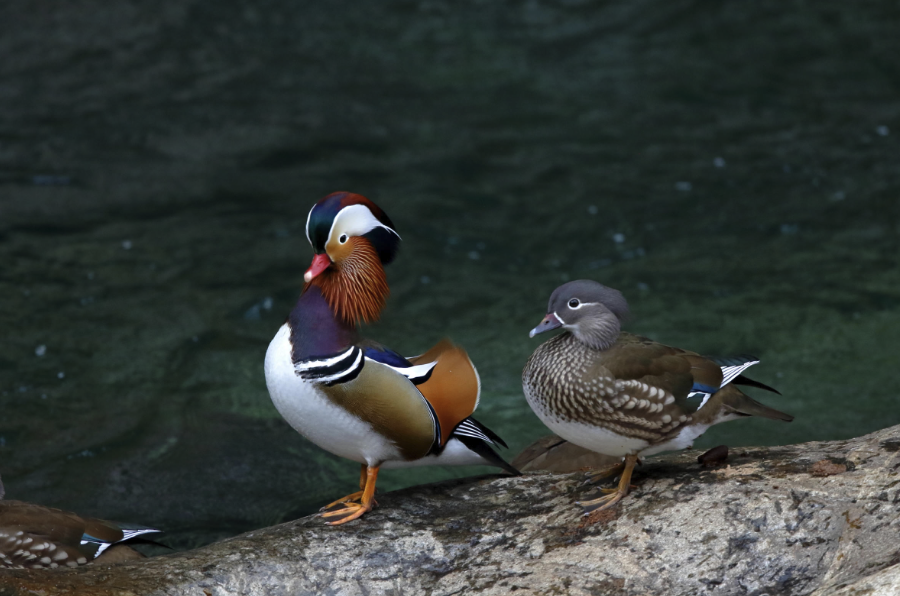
(350, 509)
(349, 513)
(615, 494)
(604, 502)
(348, 499)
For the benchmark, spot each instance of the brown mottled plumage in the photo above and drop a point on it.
(636, 388)
(37, 537)
(621, 394)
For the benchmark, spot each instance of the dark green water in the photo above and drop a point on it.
(731, 167)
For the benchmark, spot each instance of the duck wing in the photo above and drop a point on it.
(453, 387)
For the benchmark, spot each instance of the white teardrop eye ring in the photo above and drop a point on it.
(574, 303)
(343, 239)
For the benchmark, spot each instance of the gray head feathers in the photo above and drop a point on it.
(593, 312)
(587, 291)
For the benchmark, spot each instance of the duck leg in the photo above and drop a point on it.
(598, 475)
(351, 510)
(352, 496)
(607, 501)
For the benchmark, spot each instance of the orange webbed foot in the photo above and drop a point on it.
(348, 509)
(347, 513)
(343, 500)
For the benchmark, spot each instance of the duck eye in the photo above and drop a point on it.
(343, 239)
(574, 303)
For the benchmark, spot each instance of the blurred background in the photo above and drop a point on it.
(732, 167)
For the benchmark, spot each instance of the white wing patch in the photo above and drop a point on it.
(729, 373)
(126, 535)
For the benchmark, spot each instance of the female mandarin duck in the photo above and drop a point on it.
(624, 395)
(357, 398)
(37, 537)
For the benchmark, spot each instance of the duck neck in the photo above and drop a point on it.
(599, 332)
(355, 287)
(315, 329)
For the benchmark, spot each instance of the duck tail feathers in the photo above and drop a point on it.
(746, 405)
(487, 454)
(742, 380)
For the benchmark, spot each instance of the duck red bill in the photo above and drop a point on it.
(319, 264)
(551, 321)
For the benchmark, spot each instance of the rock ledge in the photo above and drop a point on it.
(817, 519)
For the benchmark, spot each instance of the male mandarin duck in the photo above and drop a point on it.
(357, 398)
(37, 537)
(624, 395)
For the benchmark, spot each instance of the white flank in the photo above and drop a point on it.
(455, 453)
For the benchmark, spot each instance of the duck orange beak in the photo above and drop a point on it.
(319, 264)
(551, 321)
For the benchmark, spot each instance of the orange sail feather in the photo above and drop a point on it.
(453, 388)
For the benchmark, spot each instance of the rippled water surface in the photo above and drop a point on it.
(731, 167)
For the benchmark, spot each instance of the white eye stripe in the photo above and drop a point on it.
(580, 304)
(356, 220)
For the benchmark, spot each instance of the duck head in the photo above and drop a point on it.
(353, 240)
(592, 312)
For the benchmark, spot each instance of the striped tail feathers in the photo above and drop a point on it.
(734, 367)
(479, 438)
(472, 428)
(453, 387)
(744, 404)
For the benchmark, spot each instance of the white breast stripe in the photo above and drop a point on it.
(313, 364)
(336, 369)
(345, 374)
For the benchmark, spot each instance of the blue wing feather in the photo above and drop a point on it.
(386, 356)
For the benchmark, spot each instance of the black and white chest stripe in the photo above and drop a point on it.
(346, 366)
(338, 368)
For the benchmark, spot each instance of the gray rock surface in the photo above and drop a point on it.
(818, 519)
